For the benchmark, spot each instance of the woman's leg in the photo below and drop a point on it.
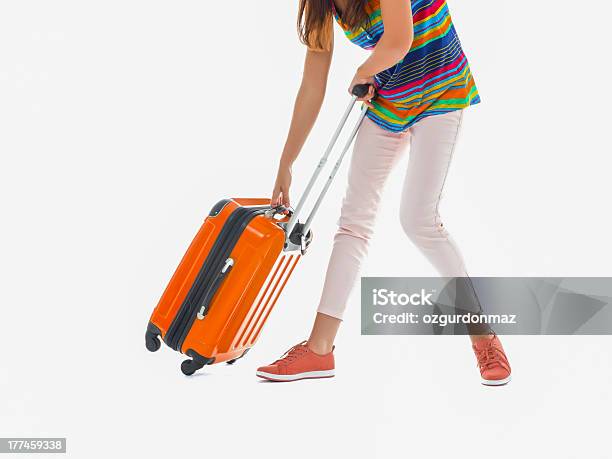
(433, 143)
(323, 333)
(375, 153)
(431, 152)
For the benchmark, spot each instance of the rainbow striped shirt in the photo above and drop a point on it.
(433, 78)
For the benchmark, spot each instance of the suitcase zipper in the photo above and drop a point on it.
(227, 267)
(204, 286)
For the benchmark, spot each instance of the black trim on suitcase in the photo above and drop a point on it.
(233, 361)
(217, 208)
(204, 287)
(177, 325)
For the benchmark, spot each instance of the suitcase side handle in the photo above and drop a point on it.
(204, 306)
(278, 210)
(358, 91)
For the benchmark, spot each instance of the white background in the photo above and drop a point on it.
(123, 122)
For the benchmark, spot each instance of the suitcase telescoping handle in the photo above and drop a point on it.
(358, 91)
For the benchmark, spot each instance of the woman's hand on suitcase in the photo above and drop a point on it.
(358, 79)
(280, 195)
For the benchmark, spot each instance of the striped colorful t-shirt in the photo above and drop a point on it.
(433, 78)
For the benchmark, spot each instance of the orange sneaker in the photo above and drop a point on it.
(492, 361)
(299, 362)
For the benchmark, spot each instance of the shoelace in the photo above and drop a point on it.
(489, 357)
(292, 354)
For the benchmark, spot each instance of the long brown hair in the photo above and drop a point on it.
(315, 25)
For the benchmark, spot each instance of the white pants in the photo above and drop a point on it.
(432, 142)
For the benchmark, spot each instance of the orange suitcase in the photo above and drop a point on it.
(234, 271)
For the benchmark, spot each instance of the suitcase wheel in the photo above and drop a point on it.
(152, 341)
(189, 367)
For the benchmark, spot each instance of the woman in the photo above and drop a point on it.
(423, 82)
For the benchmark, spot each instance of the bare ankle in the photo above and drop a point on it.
(320, 347)
(475, 338)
